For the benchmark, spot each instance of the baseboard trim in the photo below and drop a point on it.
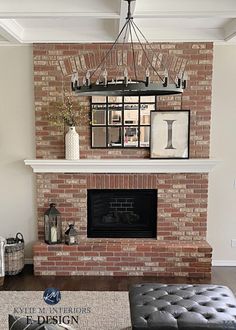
(28, 261)
(225, 263)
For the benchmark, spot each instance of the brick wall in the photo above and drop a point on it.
(181, 248)
(50, 80)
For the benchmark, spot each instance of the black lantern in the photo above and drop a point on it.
(52, 225)
(71, 235)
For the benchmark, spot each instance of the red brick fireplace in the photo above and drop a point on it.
(180, 247)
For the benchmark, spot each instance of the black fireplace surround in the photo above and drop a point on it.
(122, 213)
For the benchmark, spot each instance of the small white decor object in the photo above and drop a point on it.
(72, 144)
(2, 260)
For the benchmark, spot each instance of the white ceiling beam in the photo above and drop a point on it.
(182, 35)
(193, 8)
(11, 30)
(230, 30)
(61, 34)
(184, 14)
(58, 8)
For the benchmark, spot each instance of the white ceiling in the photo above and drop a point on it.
(28, 21)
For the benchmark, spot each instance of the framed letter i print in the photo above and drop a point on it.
(170, 134)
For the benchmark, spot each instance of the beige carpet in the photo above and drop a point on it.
(95, 309)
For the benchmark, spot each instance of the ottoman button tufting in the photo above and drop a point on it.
(198, 307)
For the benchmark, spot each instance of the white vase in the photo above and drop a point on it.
(72, 144)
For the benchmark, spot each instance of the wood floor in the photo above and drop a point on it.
(26, 281)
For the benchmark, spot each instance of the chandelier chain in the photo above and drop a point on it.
(108, 53)
(132, 45)
(145, 53)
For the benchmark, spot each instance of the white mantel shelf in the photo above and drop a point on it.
(122, 165)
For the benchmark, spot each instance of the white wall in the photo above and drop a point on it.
(222, 192)
(17, 188)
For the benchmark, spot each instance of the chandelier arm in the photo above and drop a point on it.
(182, 71)
(125, 35)
(132, 45)
(109, 51)
(144, 51)
(124, 39)
(149, 45)
(123, 44)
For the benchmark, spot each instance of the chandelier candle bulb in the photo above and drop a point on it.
(179, 80)
(166, 78)
(125, 76)
(87, 78)
(76, 83)
(73, 81)
(76, 80)
(184, 82)
(147, 77)
(105, 77)
(73, 78)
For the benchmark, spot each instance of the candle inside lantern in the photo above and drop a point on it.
(53, 234)
(72, 239)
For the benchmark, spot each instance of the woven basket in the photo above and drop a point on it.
(14, 258)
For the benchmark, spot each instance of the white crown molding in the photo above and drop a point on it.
(11, 30)
(122, 165)
(224, 263)
(230, 30)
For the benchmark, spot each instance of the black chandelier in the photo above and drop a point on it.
(137, 69)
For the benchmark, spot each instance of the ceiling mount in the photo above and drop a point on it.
(129, 9)
(133, 68)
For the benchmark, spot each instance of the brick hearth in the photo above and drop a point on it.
(124, 258)
(180, 248)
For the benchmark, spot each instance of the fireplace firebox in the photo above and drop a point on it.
(122, 213)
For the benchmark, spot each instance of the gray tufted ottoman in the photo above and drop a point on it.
(182, 306)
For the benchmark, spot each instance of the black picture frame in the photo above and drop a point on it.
(170, 134)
